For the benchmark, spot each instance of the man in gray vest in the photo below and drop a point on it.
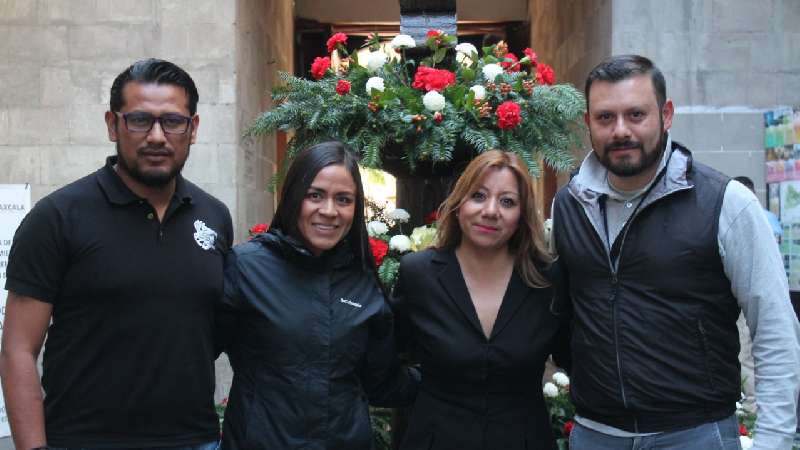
(660, 254)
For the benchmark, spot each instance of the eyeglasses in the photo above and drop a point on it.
(142, 122)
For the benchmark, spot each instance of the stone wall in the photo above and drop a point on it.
(264, 46)
(59, 58)
(724, 61)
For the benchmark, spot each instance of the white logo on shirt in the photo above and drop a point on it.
(350, 302)
(204, 236)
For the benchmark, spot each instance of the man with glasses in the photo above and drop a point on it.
(127, 263)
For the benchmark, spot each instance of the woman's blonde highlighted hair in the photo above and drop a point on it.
(527, 243)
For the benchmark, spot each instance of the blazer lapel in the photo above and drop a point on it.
(452, 281)
(515, 295)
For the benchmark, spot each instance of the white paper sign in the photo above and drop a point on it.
(15, 202)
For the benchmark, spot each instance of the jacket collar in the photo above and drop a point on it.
(591, 182)
(118, 193)
(295, 250)
(452, 281)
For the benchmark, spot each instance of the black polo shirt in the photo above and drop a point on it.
(129, 356)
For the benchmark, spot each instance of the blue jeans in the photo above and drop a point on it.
(722, 435)
(208, 446)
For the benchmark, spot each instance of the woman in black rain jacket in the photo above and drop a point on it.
(309, 332)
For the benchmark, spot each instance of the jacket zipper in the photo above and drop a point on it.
(616, 337)
(614, 266)
(706, 351)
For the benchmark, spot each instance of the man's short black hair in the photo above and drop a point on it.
(746, 181)
(621, 67)
(154, 71)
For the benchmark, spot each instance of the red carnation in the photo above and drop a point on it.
(508, 115)
(743, 430)
(568, 426)
(379, 250)
(431, 217)
(510, 66)
(430, 79)
(336, 39)
(342, 87)
(434, 33)
(545, 74)
(532, 57)
(320, 66)
(438, 117)
(259, 228)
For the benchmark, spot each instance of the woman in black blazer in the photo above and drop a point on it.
(475, 313)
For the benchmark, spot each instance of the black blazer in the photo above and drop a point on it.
(476, 393)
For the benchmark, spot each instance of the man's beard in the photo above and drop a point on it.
(629, 167)
(155, 179)
(649, 157)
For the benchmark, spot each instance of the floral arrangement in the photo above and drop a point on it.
(747, 423)
(388, 243)
(560, 407)
(455, 97)
(219, 408)
(562, 413)
(258, 229)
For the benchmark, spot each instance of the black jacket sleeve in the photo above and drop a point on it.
(386, 381)
(225, 311)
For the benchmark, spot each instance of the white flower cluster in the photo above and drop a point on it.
(403, 41)
(561, 379)
(375, 83)
(400, 243)
(433, 101)
(376, 60)
(550, 390)
(399, 215)
(376, 228)
(491, 71)
(547, 226)
(479, 90)
(465, 53)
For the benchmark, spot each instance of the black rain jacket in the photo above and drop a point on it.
(310, 340)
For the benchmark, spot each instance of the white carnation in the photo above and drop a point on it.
(465, 53)
(399, 215)
(433, 101)
(376, 228)
(376, 60)
(400, 242)
(561, 379)
(550, 390)
(547, 230)
(746, 442)
(403, 41)
(491, 71)
(375, 83)
(480, 91)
